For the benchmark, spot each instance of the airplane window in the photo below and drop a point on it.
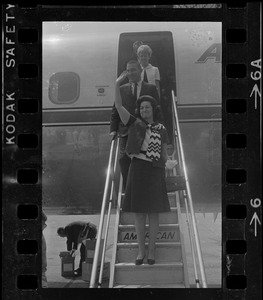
(64, 87)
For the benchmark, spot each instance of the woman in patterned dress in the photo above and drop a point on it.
(145, 192)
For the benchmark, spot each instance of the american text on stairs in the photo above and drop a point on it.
(162, 235)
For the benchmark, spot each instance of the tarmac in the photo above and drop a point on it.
(209, 231)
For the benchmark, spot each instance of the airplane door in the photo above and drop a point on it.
(161, 43)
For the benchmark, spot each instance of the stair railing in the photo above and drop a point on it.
(116, 232)
(183, 195)
(191, 238)
(188, 197)
(109, 179)
(112, 192)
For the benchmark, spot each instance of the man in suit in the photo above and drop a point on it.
(75, 233)
(130, 92)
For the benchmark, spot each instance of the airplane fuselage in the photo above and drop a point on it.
(81, 61)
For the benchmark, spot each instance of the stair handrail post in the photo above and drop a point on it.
(108, 215)
(196, 235)
(115, 239)
(191, 242)
(182, 194)
(100, 229)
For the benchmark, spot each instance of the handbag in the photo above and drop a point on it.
(175, 183)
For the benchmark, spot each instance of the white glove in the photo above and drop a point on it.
(113, 135)
(170, 164)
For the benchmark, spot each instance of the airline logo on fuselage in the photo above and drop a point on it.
(213, 52)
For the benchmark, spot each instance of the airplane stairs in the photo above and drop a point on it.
(169, 270)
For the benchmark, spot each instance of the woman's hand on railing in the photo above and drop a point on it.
(113, 135)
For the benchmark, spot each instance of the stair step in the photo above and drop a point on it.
(157, 286)
(164, 252)
(130, 274)
(172, 199)
(164, 218)
(166, 233)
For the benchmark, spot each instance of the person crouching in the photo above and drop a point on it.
(75, 233)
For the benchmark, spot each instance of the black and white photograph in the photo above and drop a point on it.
(132, 151)
(158, 218)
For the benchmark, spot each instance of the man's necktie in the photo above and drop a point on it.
(145, 78)
(135, 91)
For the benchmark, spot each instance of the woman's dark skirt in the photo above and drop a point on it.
(146, 189)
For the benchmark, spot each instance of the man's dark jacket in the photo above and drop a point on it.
(73, 231)
(129, 103)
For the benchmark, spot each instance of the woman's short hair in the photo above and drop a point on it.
(156, 108)
(144, 48)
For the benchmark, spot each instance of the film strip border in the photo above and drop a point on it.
(241, 152)
(241, 147)
(22, 153)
